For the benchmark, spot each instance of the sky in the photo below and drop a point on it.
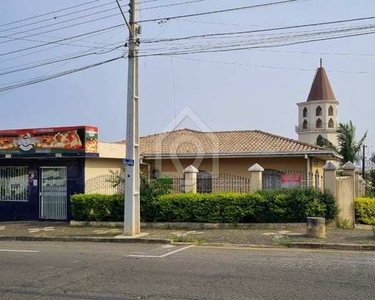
(241, 90)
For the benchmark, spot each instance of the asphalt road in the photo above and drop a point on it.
(52, 270)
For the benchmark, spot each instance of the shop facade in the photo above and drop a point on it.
(41, 168)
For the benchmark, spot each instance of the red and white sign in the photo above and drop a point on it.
(290, 181)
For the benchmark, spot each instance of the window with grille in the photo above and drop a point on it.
(13, 183)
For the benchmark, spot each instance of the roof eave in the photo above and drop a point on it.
(330, 154)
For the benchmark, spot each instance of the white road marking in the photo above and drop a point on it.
(100, 231)
(23, 251)
(34, 230)
(160, 256)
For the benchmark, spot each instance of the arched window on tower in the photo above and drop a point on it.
(331, 124)
(319, 111)
(319, 123)
(305, 112)
(330, 111)
(305, 124)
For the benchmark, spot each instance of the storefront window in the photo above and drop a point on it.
(13, 183)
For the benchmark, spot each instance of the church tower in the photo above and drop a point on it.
(317, 117)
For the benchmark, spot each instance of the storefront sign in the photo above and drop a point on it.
(83, 139)
(290, 181)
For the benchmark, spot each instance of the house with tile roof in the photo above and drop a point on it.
(234, 152)
(216, 153)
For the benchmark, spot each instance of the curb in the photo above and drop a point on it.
(226, 245)
(189, 225)
(84, 239)
(333, 246)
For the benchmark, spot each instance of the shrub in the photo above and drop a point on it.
(97, 207)
(277, 206)
(365, 210)
(261, 207)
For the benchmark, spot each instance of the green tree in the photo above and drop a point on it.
(150, 190)
(349, 148)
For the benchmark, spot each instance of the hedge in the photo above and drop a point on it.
(97, 207)
(275, 206)
(365, 210)
(264, 206)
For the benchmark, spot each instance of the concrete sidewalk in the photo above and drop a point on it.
(292, 237)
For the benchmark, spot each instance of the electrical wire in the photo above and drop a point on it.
(19, 84)
(54, 61)
(60, 28)
(49, 13)
(56, 46)
(61, 40)
(259, 30)
(171, 5)
(231, 49)
(220, 11)
(58, 17)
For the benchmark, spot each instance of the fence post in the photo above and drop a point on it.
(256, 177)
(347, 212)
(330, 177)
(190, 175)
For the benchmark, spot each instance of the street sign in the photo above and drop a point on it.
(129, 162)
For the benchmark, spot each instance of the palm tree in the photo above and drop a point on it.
(349, 148)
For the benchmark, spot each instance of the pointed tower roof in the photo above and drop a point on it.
(321, 88)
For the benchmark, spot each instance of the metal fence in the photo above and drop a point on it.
(103, 184)
(274, 179)
(178, 185)
(206, 183)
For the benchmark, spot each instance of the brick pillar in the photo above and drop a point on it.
(330, 178)
(346, 204)
(256, 177)
(190, 178)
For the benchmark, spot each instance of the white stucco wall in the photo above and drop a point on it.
(311, 134)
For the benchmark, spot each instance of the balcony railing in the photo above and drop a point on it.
(313, 127)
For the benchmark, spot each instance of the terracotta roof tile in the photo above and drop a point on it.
(187, 141)
(321, 88)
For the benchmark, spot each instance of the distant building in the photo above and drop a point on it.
(318, 116)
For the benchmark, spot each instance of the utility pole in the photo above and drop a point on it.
(132, 176)
(363, 161)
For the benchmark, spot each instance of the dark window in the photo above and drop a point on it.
(331, 124)
(305, 112)
(330, 111)
(305, 124)
(319, 123)
(319, 111)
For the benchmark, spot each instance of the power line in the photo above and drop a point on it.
(260, 30)
(269, 67)
(19, 84)
(171, 5)
(58, 41)
(58, 17)
(231, 49)
(220, 11)
(55, 46)
(60, 28)
(54, 61)
(52, 12)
